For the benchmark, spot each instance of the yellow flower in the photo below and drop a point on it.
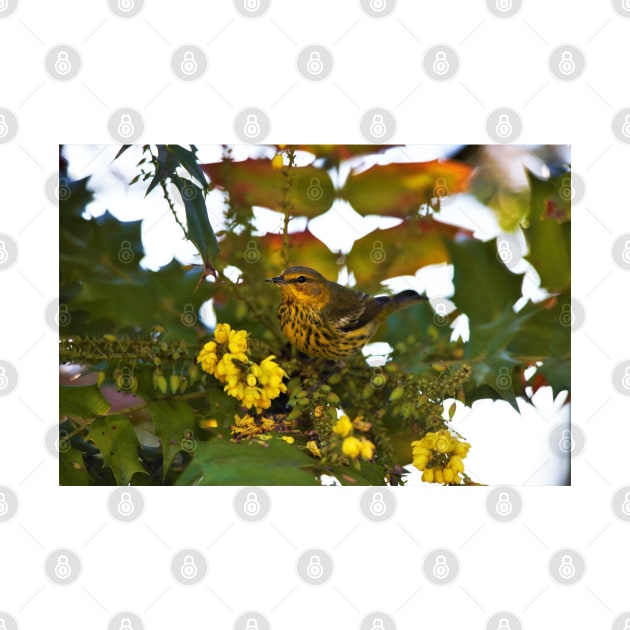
(208, 357)
(351, 447)
(343, 426)
(238, 341)
(210, 423)
(461, 449)
(311, 445)
(289, 439)
(247, 426)
(367, 449)
(361, 425)
(428, 475)
(222, 333)
(442, 442)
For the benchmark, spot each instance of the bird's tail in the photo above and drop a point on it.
(392, 303)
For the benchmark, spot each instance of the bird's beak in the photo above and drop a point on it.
(277, 280)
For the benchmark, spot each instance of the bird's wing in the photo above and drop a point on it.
(356, 312)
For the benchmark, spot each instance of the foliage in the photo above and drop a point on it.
(145, 411)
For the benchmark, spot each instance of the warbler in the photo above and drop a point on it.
(324, 319)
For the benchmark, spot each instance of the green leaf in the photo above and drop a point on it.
(174, 422)
(72, 471)
(549, 233)
(188, 160)
(199, 230)
(368, 474)
(399, 189)
(82, 402)
(115, 438)
(269, 463)
(484, 286)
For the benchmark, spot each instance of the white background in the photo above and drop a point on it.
(251, 62)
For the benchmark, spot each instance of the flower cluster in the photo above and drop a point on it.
(226, 359)
(352, 446)
(440, 456)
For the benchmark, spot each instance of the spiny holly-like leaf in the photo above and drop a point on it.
(307, 190)
(175, 426)
(82, 402)
(400, 189)
(199, 230)
(549, 232)
(402, 250)
(115, 438)
(484, 286)
(273, 462)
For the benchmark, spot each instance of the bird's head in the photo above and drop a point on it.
(304, 285)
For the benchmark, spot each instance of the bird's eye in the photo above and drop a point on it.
(301, 279)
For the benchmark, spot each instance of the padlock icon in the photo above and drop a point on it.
(567, 317)
(62, 443)
(625, 381)
(440, 63)
(251, 254)
(314, 64)
(188, 443)
(189, 317)
(504, 5)
(252, 506)
(4, 254)
(566, 443)
(125, 5)
(440, 309)
(125, 624)
(63, 570)
(504, 624)
(378, 379)
(63, 65)
(377, 126)
(377, 504)
(125, 126)
(252, 5)
(625, 5)
(62, 317)
(625, 506)
(504, 380)
(4, 381)
(567, 191)
(189, 568)
(252, 624)
(440, 189)
(314, 570)
(625, 128)
(567, 568)
(315, 191)
(567, 63)
(377, 624)
(4, 128)
(440, 568)
(189, 63)
(4, 506)
(504, 126)
(625, 254)
(505, 254)
(378, 254)
(125, 253)
(63, 192)
(504, 505)
(378, 5)
(125, 504)
(252, 127)
(3, 625)
(626, 625)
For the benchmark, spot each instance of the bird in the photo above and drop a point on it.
(324, 319)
